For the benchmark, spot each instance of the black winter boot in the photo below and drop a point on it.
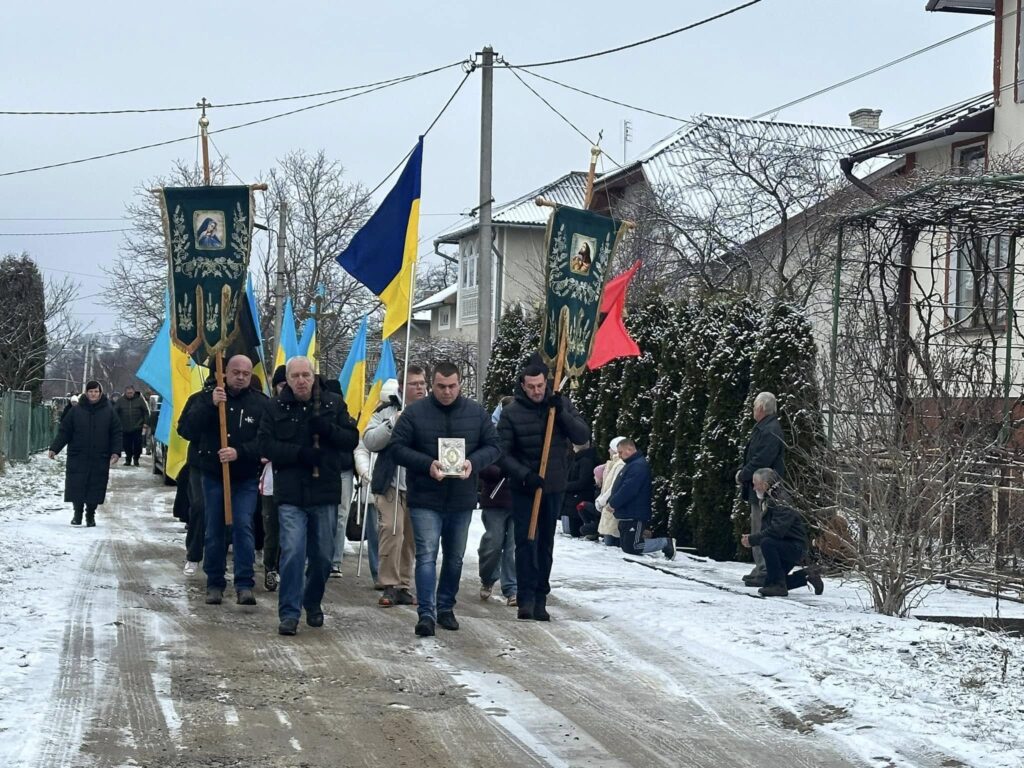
(90, 517)
(540, 609)
(76, 519)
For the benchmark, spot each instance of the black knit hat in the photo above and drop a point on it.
(280, 377)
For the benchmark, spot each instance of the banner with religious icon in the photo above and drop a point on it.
(580, 247)
(208, 232)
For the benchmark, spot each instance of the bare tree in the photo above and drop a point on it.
(324, 211)
(36, 323)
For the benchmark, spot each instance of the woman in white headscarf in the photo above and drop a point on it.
(609, 526)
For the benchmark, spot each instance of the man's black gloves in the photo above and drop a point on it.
(320, 425)
(556, 401)
(310, 457)
(533, 481)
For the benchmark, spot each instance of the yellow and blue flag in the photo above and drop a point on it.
(353, 374)
(287, 345)
(382, 255)
(385, 370)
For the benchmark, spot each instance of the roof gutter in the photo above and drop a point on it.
(847, 164)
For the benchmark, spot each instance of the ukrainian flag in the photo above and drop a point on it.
(382, 255)
(287, 345)
(385, 370)
(307, 343)
(353, 375)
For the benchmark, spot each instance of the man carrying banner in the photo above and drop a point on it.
(200, 424)
(307, 486)
(521, 431)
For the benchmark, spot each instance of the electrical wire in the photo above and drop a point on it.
(219, 130)
(645, 41)
(254, 102)
(54, 234)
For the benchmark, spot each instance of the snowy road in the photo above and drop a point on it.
(147, 674)
(109, 657)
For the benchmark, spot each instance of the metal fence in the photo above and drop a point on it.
(24, 428)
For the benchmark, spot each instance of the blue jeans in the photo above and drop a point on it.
(243, 544)
(447, 531)
(632, 541)
(497, 551)
(306, 532)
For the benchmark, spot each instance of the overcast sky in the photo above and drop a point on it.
(88, 56)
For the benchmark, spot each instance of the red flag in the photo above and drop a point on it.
(612, 339)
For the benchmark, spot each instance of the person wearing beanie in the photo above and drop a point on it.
(396, 546)
(92, 433)
(521, 432)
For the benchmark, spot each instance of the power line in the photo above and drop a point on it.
(56, 234)
(61, 218)
(645, 41)
(219, 130)
(254, 102)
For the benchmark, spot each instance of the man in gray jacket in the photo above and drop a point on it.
(396, 546)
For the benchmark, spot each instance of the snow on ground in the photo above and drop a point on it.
(40, 559)
(880, 686)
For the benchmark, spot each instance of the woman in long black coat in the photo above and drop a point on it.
(92, 433)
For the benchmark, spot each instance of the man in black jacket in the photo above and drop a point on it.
(200, 424)
(133, 412)
(521, 431)
(441, 506)
(782, 538)
(580, 487)
(309, 437)
(766, 448)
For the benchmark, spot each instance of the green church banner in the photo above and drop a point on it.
(580, 247)
(208, 232)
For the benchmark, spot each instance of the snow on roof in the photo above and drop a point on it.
(688, 166)
(436, 300)
(523, 211)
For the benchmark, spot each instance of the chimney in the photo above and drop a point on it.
(865, 119)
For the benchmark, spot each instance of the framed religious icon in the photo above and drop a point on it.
(451, 452)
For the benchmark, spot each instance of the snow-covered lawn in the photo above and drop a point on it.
(882, 686)
(901, 688)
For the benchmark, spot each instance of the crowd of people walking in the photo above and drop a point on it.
(296, 463)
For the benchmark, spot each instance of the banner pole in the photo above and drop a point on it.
(223, 417)
(549, 431)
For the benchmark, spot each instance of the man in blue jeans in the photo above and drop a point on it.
(200, 424)
(309, 437)
(441, 506)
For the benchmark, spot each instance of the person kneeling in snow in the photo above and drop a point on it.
(631, 501)
(782, 538)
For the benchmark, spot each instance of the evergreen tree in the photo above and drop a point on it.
(518, 337)
(784, 364)
(23, 338)
(714, 483)
(661, 447)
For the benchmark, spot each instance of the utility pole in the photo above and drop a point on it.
(282, 210)
(627, 137)
(85, 365)
(484, 295)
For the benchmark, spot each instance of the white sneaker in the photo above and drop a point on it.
(190, 567)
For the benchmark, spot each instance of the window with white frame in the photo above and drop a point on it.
(468, 264)
(444, 318)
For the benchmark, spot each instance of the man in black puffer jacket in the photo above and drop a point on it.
(200, 425)
(521, 431)
(309, 437)
(440, 506)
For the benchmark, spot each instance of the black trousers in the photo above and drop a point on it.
(196, 518)
(534, 558)
(132, 445)
(779, 559)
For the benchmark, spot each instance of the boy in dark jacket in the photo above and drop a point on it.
(200, 424)
(309, 437)
(631, 502)
(441, 506)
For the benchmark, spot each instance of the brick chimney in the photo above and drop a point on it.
(865, 119)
